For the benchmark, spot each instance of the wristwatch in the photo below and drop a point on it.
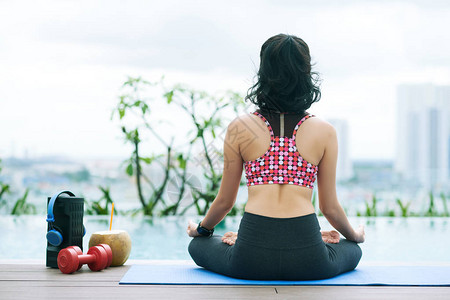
(203, 231)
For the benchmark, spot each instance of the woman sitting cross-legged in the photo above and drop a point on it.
(283, 150)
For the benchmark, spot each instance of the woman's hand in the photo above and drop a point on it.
(330, 237)
(192, 229)
(229, 238)
(360, 235)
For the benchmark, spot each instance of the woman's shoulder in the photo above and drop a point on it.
(244, 124)
(320, 127)
(242, 120)
(318, 123)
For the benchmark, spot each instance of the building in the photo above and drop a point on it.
(423, 134)
(344, 170)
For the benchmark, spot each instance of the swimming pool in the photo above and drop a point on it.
(387, 239)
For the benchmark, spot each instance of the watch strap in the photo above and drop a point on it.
(204, 231)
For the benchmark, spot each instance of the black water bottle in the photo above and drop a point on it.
(64, 224)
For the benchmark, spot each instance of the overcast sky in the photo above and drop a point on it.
(62, 62)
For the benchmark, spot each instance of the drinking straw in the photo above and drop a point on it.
(112, 213)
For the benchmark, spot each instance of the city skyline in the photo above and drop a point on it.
(344, 168)
(423, 130)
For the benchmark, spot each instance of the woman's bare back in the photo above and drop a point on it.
(280, 200)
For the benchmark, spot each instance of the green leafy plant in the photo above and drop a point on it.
(444, 203)
(101, 206)
(431, 211)
(21, 207)
(4, 190)
(136, 102)
(131, 102)
(204, 132)
(371, 208)
(390, 213)
(182, 180)
(404, 207)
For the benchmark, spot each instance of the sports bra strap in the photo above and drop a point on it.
(267, 123)
(300, 123)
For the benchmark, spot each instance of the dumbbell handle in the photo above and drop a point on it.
(86, 258)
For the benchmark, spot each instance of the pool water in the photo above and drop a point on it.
(387, 239)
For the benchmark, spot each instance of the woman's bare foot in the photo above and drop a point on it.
(229, 238)
(331, 237)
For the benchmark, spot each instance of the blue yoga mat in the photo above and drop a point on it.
(363, 275)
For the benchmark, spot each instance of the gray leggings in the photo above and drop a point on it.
(276, 249)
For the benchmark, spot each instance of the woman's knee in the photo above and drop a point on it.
(358, 252)
(195, 250)
(355, 249)
(203, 250)
(354, 252)
(211, 253)
(344, 256)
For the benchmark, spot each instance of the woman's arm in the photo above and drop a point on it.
(328, 201)
(231, 177)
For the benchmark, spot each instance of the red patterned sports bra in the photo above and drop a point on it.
(282, 163)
